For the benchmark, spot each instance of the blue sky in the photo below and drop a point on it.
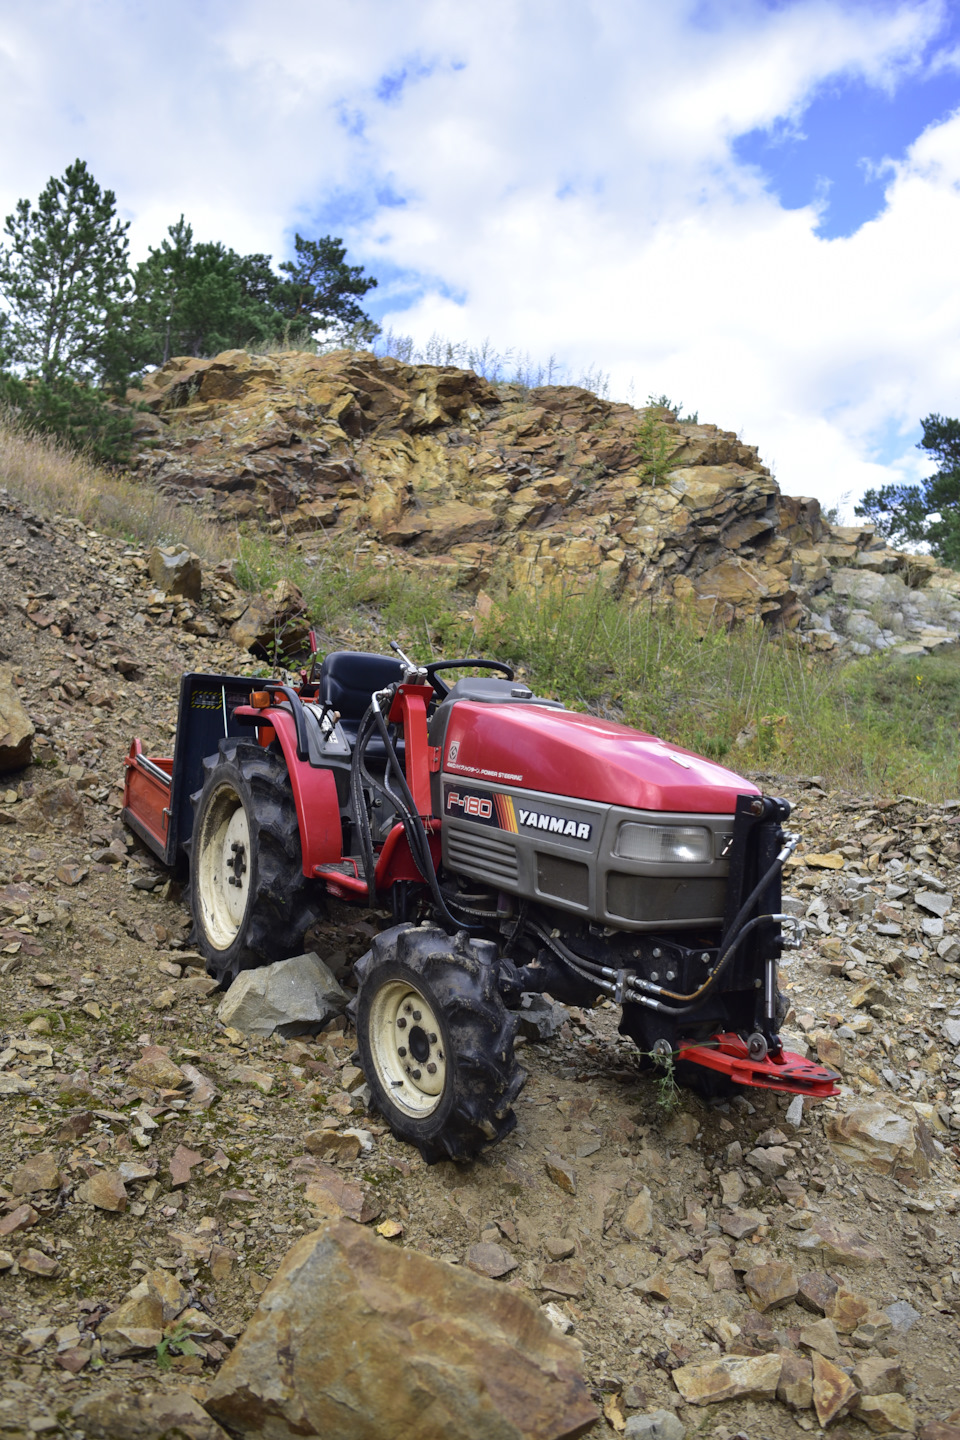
(836, 152)
(751, 206)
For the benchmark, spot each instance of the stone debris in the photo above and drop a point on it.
(488, 1258)
(41, 1172)
(840, 1244)
(795, 1385)
(886, 1414)
(354, 1337)
(561, 1173)
(156, 1069)
(291, 997)
(333, 1196)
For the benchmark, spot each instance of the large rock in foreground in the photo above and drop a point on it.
(291, 997)
(16, 727)
(355, 1339)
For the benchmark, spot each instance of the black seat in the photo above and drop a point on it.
(347, 680)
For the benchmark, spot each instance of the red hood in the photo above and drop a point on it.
(562, 753)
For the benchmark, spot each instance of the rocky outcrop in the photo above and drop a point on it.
(434, 468)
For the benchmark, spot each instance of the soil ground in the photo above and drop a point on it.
(96, 965)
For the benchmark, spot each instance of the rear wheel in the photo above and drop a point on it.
(436, 1040)
(250, 900)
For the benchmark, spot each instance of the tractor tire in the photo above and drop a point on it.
(436, 1041)
(250, 900)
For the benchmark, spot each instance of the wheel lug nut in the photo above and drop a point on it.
(433, 1039)
(416, 1074)
(401, 1050)
(401, 1023)
(431, 1068)
(416, 1015)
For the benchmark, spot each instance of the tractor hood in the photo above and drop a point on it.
(534, 747)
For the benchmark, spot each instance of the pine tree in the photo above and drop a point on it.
(929, 512)
(64, 277)
(318, 296)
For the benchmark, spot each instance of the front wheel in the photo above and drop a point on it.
(250, 900)
(436, 1040)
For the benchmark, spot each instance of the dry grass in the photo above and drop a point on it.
(54, 480)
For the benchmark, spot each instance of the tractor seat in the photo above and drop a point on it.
(347, 680)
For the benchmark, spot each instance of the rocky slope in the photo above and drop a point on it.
(436, 468)
(795, 1264)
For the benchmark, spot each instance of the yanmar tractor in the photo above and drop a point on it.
(521, 848)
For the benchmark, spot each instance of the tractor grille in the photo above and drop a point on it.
(640, 897)
(482, 855)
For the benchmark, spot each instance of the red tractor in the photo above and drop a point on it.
(522, 848)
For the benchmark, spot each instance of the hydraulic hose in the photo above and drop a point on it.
(413, 826)
(736, 932)
(644, 991)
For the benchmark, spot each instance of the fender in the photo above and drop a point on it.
(314, 793)
(395, 861)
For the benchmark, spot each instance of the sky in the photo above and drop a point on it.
(751, 206)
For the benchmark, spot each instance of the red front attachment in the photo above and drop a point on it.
(728, 1054)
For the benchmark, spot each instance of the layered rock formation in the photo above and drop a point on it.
(435, 467)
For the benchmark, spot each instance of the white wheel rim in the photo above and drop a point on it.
(407, 1047)
(223, 867)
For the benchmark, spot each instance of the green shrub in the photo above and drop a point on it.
(82, 417)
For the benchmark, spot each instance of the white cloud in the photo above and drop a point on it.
(567, 176)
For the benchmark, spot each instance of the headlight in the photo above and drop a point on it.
(665, 844)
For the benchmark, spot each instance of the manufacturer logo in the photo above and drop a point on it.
(453, 752)
(554, 824)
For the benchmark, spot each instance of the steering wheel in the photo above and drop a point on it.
(443, 690)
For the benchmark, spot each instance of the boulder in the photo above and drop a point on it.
(657, 1425)
(871, 1137)
(357, 1338)
(16, 727)
(105, 1190)
(56, 804)
(136, 1326)
(116, 1415)
(771, 1284)
(175, 570)
(840, 1244)
(272, 624)
(291, 997)
(732, 1377)
(40, 1172)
